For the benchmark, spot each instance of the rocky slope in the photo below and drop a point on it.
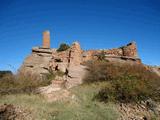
(11, 112)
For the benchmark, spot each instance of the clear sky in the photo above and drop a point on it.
(94, 23)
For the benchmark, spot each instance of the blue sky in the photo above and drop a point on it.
(94, 23)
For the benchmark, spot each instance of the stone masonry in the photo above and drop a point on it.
(46, 39)
(44, 59)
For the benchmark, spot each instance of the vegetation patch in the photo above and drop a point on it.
(82, 107)
(3, 73)
(21, 83)
(63, 47)
(126, 82)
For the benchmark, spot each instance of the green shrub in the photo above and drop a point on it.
(128, 83)
(63, 47)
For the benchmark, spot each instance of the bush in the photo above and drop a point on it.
(21, 83)
(63, 47)
(128, 90)
(128, 83)
(99, 71)
(3, 73)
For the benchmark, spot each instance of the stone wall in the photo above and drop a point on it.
(59, 60)
(64, 59)
(130, 50)
(115, 52)
(42, 59)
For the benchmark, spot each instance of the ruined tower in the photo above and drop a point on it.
(46, 39)
(130, 50)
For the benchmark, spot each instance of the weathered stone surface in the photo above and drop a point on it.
(46, 39)
(130, 50)
(123, 59)
(62, 66)
(89, 55)
(37, 62)
(142, 111)
(42, 50)
(59, 60)
(75, 55)
(43, 59)
(56, 91)
(11, 112)
(76, 74)
(58, 83)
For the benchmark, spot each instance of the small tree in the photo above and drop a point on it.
(63, 47)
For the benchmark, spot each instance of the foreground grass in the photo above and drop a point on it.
(83, 107)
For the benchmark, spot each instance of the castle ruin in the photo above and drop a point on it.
(42, 59)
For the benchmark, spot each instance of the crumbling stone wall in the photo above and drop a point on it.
(42, 59)
(71, 57)
(89, 55)
(59, 60)
(130, 50)
(115, 52)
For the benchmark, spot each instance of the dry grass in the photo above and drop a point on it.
(21, 83)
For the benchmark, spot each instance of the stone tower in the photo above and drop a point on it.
(130, 50)
(46, 39)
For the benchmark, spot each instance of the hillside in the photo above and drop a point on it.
(79, 106)
(69, 83)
